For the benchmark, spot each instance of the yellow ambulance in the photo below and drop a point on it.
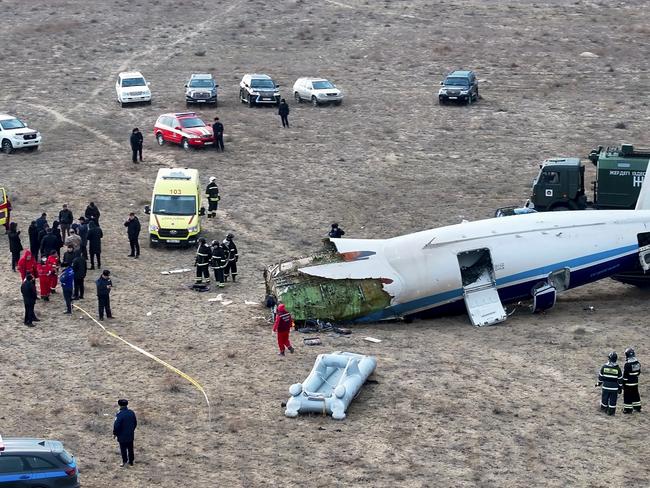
(175, 211)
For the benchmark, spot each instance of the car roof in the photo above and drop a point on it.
(131, 74)
(6, 117)
(460, 73)
(26, 444)
(309, 78)
(259, 76)
(180, 115)
(201, 76)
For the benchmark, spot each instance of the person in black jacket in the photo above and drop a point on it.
(232, 256)
(124, 431)
(610, 377)
(34, 243)
(283, 111)
(104, 287)
(212, 192)
(41, 222)
(95, 235)
(28, 290)
(336, 232)
(132, 225)
(15, 246)
(218, 263)
(631, 372)
(79, 268)
(136, 144)
(68, 255)
(217, 129)
(202, 262)
(65, 219)
(56, 230)
(92, 213)
(49, 243)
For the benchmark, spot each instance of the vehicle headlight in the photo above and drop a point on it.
(464, 92)
(153, 228)
(194, 228)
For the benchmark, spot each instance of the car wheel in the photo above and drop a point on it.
(123, 104)
(216, 103)
(314, 101)
(160, 139)
(442, 101)
(153, 245)
(7, 148)
(297, 98)
(186, 144)
(251, 102)
(338, 102)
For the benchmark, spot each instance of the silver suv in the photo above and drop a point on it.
(259, 89)
(30, 463)
(201, 88)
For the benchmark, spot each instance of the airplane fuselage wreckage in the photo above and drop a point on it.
(480, 265)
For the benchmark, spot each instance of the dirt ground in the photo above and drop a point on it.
(508, 406)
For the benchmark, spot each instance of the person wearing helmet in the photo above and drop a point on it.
(631, 372)
(212, 194)
(218, 263)
(202, 262)
(609, 378)
(232, 256)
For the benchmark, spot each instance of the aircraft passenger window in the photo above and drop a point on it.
(551, 177)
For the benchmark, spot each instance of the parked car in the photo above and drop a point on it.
(31, 463)
(317, 90)
(201, 88)
(258, 89)
(131, 87)
(186, 129)
(459, 86)
(14, 134)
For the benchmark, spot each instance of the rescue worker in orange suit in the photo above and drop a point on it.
(26, 264)
(631, 372)
(218, 263)
(282, 327)
(232, 256)
(53, 260)
(212, 193)
(202, 262)
(609, 378)
(45, 273)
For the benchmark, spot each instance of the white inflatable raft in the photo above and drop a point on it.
(333, 383)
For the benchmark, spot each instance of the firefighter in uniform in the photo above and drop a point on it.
(218, 263)
(202, 263)
(631, 372)
(609, 378)
(232, 256)
(212, 193)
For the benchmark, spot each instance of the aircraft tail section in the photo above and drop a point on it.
(643, 203)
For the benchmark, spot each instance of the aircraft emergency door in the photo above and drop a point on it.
(644, 250)
(482, 300)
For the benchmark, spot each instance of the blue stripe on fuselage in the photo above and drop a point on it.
(522, 289)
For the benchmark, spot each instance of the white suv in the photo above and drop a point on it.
(16, 135)
(131, 87)
(254, 89)
(317, 91)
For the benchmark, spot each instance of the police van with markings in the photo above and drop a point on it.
(36, 463)
(175, 211)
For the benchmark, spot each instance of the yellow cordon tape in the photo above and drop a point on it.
(195, 383)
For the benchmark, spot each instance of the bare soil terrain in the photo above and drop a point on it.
(508, 406)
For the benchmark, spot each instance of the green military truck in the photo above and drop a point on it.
(560, 184)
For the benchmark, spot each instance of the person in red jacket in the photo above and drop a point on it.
(282, 326)
(53, 261)
(26, 264)
(45, 272)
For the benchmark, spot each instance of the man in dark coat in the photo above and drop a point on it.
(15, 246)
(49, 243)
(132, 225)
(136, 144)
(232, 256)
(202, 262)
(34, 244)
(104, 287)
(217, 129)
(92, 212)
(124, 431)
(83, 233)
(336, 232)
(283, 111)
(65, 220)
(218, 263)
(68, 255)
(95, 235)
(28, 290)
(56, 230)
(80, 268)
(41, 222)
(212, 193)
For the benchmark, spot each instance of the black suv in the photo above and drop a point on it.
(459, 86)
(36, 463)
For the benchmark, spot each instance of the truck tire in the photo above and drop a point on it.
(314, 101)
(7, 148)
(296, 97)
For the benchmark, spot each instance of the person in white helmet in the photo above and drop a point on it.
(212, 194)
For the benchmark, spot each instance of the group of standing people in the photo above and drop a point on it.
(613, 380)
(221, 257)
